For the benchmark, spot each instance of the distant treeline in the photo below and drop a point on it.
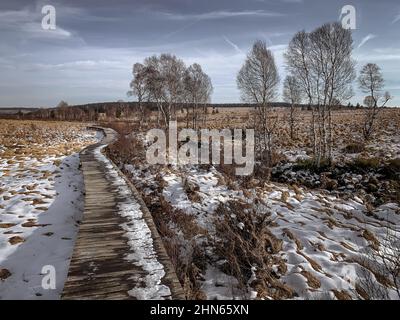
(15, 110)
(115, 110)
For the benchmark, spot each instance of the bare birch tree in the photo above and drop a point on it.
(139, 89)
(172, 72)
(332, 49)
(257, 80)
(154, 83)
(371, 82)
(164, 82)
(198, 91)
(299, 65)
(293, 95)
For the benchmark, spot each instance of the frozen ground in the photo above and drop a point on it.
(323, 235)
(41, 203)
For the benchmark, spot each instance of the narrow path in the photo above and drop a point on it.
(118, 253)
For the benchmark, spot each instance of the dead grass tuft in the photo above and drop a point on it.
(4, 274)
(292, 237)
(249, 247)
(342, 295)
(191, 190)
(16, 240)
(371, 238)
(187, 256)
(312, 281)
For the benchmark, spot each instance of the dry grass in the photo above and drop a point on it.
(371, 238)
(191, 190)
(292, 237)
(16, 240)
(347, 125)
(312, 281)
(186, 254)
(250, 249)
(4, 274)
(342, 295)
(38, 139)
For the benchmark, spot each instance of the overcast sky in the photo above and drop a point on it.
(89, 57)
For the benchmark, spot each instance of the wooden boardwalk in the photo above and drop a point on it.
(99, 267)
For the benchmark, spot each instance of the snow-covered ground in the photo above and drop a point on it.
(323, 234)
(41, 202)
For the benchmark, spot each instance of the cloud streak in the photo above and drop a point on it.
(396, 19)
(215, 15)
(233, 45)
(26, 23)
(366, 39)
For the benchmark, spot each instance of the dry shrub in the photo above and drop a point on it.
(263, 173)
(327, 183)
(310, 165)
(285, 196)
(249, 247)
(186, 254)
(191, 190)
(121, 127)
(380, 268)
(4, 274)
(277, 158)
(371, 284)
(361, 163)
(125, 149)
(353, 148)
(392, 169)
(229, 177)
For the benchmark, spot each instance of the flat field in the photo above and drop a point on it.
(41, 202)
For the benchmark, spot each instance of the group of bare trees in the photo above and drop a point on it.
(167, 82)
(321, 71)
(321, 62)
